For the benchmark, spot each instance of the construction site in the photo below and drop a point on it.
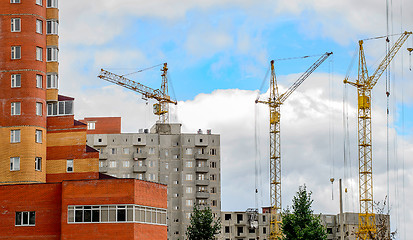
(130, 160)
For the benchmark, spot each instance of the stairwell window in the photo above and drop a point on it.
(51, 3)
(39, 54)
(51, 81)
(39, 136)
(38, 164)
(15, 108)
(15, 80)
(39, 109)
(25, 218)
(39, 81)
(69, 165)
(39, 26)
(15, 52)
(14, 136)
(52, 54)
(52, 27)
(14, 163)
(15, 25)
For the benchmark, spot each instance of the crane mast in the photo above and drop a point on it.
(274, 102)
(364, 85)
(162, 107)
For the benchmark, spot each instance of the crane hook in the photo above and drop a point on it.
(410, 57)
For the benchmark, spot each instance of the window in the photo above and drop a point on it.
(188, 177)
(126, 164)
(189, 164)
(15, 52)
(213, 177)
(112, 164)
(14, 1)
(213, 190)
(69, 165)
(202, 202)
(14, 163)
(15, 136)
(15, 108)
(263, 218)
(213, 164)
(214, 203)
(39, 135)
(39, 54)
(39, 2)
(139, 176)
(52, 27)
(51, 80)
(176, 182)
(39, 81)
(15, 25)
(60, 108)
(38, 164)
(15, 80)
(212, 151)
(101, 164)
(39, 25)
(140, 163)
(25, 218)
(126, 151)
(227, 216)
(151, 150)
(189, 202)
(151, 177)
(91, 125)
(51, 4)
(201, 177)
(52, 54)
(166, 165)
(188, 190)
(188, 151)
(176, 169)
(226, 229)
(264, 230)
(151, 163)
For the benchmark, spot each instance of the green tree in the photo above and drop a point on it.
(300, 223)
(203, 226)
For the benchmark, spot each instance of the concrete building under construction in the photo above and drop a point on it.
(188, 163)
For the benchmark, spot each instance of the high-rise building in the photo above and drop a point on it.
(189, 163)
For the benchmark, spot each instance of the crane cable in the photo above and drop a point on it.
(331, 125)
(142, 70)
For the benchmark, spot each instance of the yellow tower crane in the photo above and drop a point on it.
(274, 102)
(161, 108)
(364, 85)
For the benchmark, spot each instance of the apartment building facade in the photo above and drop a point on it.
(188, 163)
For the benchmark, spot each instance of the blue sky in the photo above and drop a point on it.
(218, 52)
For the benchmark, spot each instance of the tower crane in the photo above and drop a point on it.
(364, 85)
(161, 108)
(274, 102)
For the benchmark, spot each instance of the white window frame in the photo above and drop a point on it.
(60, 108)
(39, 136)
(39, 54)
(15, 25)
(189, 164)
(38, 164)
(52, 27)
(16, 80)
(39, 109)
(189, 190)
(70, 166)
(188, 177)
(188, 151)
(112, 164)
(39, 26)
(126, 151)
(51, 81)
(15, 136)
(126, 164)
(14, 1)
(25, 219)
(16, 52)
(52, 3)
(15, 108)
(52, 54)
(39, 81)
(91, 125)
(189, 202)
(151, 150)
(15, 164)
(39, 2)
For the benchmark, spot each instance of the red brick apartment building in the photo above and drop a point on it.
(50, 186)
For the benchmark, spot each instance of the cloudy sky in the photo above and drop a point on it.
(218, 53)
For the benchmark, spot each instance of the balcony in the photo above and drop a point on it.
(103, 169)
(201, 156)
(202, 182)
(202, 169)
(202, 195)
(138, 169)
(103, 156)
(141, 155)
